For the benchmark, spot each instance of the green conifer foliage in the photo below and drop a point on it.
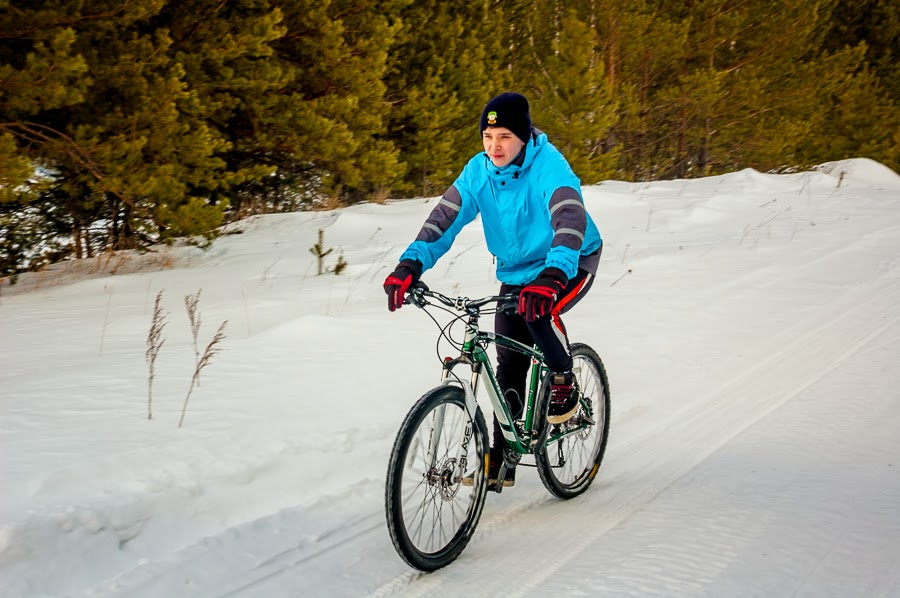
(36, 75)
(225, 50)
(864, 114)
(746, 88)
(643, 51)
(331, 119)
(15, 172)
(123, 123)
(573, 101)
(875, 23)
(446, 65)
(114, 123)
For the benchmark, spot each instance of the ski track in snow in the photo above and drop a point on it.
(639, 466)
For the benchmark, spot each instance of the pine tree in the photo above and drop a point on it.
(642, 49)
(573, 101)
(38, 74)
(446, 64)
(119, 124)
(747, 90)
(116, 140)
(331, 119)
(862, 117)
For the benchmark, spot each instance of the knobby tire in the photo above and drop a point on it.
(568, 466)
(418, 495)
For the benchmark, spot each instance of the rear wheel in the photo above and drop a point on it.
(571, 457)
(431, 514)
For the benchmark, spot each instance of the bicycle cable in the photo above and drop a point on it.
(445, 333)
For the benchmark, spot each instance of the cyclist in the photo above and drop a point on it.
(544, 241)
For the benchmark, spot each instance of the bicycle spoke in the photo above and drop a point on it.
(567, 464)
(433, 506)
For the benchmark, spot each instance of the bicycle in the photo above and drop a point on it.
(431, 514)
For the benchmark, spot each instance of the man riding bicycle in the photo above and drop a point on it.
(546, 245)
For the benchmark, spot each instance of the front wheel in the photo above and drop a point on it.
(569, 460)
(431, 514)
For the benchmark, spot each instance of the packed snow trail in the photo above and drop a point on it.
(668, 516)
(748, 322)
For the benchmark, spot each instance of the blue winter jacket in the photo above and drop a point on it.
(532, 212)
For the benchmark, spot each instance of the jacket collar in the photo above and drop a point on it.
(520, 165)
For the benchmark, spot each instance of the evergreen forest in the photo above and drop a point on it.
(124, 123)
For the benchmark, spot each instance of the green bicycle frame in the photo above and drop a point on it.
(473, 354)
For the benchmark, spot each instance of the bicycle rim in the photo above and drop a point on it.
(431, 513)
(568, 465)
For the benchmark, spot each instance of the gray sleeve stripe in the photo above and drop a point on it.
(568, 202)
(452, 195)
(442, 216)
(568, 218)
(452, 206)
(564, 193)
(570, 231)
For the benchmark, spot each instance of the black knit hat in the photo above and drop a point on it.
(508, 110)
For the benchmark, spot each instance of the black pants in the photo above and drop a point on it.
(548, 333)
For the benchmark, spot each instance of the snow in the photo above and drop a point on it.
(750, 325)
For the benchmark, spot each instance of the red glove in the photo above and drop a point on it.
(398, 282)
(537, 298)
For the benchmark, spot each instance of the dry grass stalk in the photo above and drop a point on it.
(109, 293)
(381, 195)
(211, 349)
(155, 341)
(191, 303)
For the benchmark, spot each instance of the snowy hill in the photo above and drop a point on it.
(750, 324)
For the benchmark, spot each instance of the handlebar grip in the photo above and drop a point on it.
(415, 295)
(510, 306)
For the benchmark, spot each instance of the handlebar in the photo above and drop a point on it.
(419, 292)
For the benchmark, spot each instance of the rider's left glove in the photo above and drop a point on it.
(537, 298)
(398, 282)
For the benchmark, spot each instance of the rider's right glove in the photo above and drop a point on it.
(537, 298)
(398, 282)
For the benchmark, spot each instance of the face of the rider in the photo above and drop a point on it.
(501, 145)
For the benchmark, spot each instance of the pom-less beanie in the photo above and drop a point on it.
(508, 110)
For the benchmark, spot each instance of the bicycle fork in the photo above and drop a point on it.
(469, 388)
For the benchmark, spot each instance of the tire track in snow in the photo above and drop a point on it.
(280, 563)
(637, 469)
(706, 424)
(859, 326)
(852, 315)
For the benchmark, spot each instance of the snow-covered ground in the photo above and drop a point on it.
(750, 324)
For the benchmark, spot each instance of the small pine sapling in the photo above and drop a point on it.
(340, 265)
(320, 252)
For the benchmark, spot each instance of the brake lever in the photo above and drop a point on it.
(511, 305)
(416, 295)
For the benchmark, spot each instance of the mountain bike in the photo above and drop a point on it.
(431, 513)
